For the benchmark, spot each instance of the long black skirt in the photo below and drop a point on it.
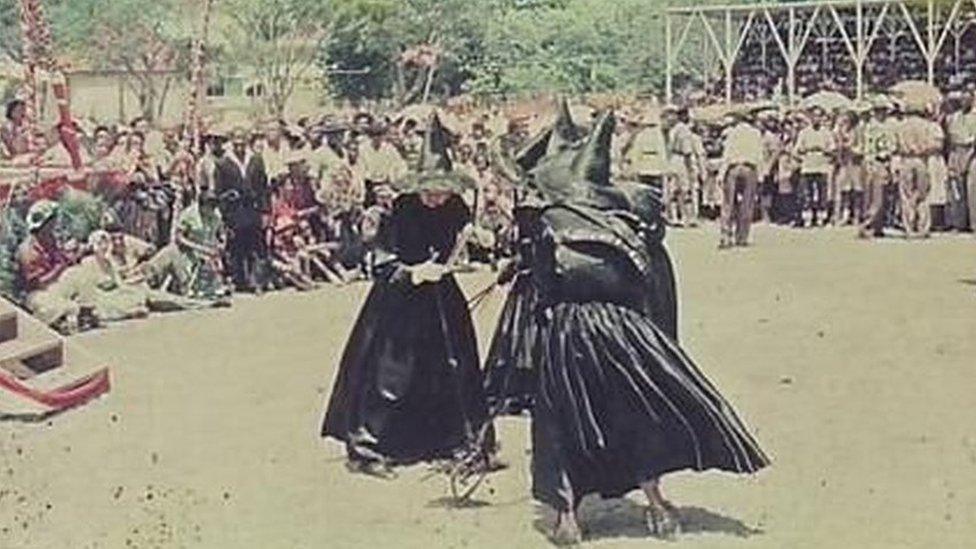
(409, 377)
(620, 403)
(511, 379)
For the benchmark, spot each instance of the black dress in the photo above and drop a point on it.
(618, 402)
(510, 375)
(397, 396)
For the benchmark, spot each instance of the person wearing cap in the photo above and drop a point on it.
(680, 194)
(409, 384)
(962, 139)
(647, 157)
(742, 159)
(242, 187)
(814, 147)
(46, 270)
(878, 146)
(918, 139)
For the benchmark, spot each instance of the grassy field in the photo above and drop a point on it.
(853, 362)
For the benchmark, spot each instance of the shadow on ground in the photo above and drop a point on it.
(622, 518)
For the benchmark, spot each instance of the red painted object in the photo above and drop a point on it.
(62, 398)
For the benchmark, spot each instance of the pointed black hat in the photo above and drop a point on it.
(581, 174)
(592, 163)
(434, 169)
(563, 134)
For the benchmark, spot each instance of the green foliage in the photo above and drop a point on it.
(79, 213)
(493, 47)
(576, 46)
(13, 230)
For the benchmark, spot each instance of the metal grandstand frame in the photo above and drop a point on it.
(788, 27)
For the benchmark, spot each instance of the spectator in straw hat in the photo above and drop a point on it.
(918, 139)
(879, 144)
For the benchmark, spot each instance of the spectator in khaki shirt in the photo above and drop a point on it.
(680, 191)
(879, 145)
(918, 139)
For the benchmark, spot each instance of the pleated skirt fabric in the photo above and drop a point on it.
(619, 403)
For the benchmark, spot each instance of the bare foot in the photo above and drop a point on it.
(566, 532)
(662, 522)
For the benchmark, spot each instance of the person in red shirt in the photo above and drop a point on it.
(52, 294)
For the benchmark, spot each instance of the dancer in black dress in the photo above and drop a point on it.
(618, 403)
(409, 387)
(510, 379)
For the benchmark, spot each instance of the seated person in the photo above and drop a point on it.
(116, 297)
(191, 265)
(285, 253)
(45, 266)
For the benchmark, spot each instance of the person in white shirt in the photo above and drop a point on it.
(814, 147)
(742, 160)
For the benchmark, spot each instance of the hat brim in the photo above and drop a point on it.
(436, 181)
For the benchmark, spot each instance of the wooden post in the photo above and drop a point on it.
(28, 35)
(791, 58)
(932, 48)
(668, 60)
(861, 54)
(729, 56)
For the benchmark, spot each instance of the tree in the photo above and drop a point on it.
(571, 46)
(413, 49)
(144, 39)
(280, 41)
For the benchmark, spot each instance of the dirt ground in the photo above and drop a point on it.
(851, 361)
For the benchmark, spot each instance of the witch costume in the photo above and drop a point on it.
(510, 380)
(618, 403)
(409, 386)
(509, 376)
